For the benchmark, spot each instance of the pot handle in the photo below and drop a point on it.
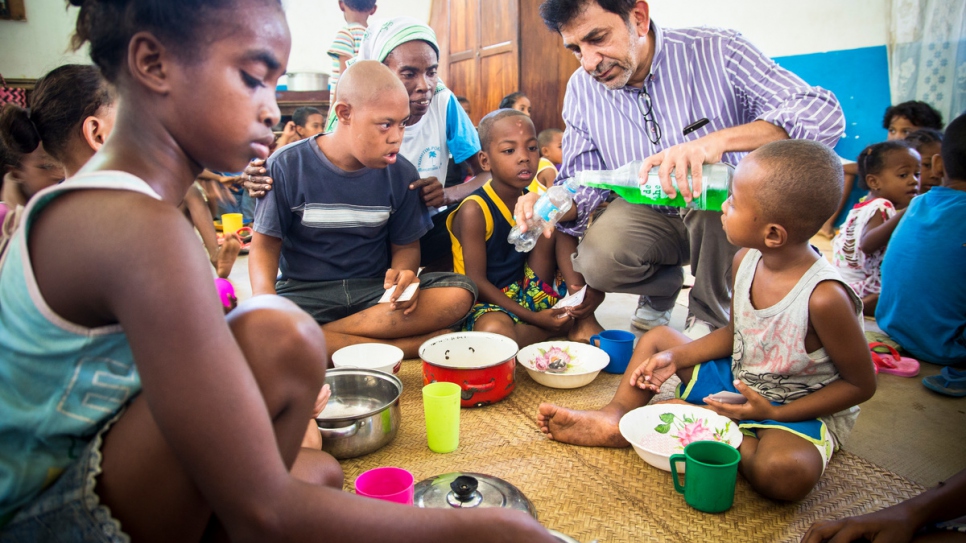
(345, 431)
(481, 387)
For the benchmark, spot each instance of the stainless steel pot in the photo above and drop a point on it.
(362, 415)
(308, 81)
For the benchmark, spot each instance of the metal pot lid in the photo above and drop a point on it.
(462, 490)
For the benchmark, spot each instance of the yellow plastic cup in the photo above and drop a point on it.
(441, 404)
(231, 223)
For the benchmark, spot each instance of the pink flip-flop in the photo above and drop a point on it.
(891, 362)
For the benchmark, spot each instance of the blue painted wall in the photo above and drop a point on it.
(860, 80)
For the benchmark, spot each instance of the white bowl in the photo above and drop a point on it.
(586, 361)
(681, 425)
(370, 356)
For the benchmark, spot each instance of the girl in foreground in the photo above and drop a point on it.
(89, 319)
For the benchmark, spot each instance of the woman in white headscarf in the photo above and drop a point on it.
(438, 125)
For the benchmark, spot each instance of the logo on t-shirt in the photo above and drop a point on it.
(429, 160)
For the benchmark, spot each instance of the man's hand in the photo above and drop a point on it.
(255, 179)
(430, 190)
(524, 210)
(402, 279)
(682, 158)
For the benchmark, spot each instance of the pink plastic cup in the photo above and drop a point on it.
(389, 484)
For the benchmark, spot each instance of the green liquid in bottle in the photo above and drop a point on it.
(711, 200)
(623, 182)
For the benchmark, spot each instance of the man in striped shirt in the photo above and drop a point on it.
(640, 88)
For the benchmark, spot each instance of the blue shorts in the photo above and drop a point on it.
(69, 510)
(715, 376)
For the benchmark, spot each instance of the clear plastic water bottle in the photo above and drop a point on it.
(546, 212)
(715, 182)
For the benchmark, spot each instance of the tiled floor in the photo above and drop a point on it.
(904, 428)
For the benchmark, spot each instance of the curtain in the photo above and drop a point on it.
(927, 54)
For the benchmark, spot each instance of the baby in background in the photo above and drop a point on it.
(794, 348)
(517, 290)
(551, 154)
(890, 170)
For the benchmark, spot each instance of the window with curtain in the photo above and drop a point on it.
(927, 54)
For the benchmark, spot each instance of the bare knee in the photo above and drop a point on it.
(318, 468)
(492, 322)
(278, 337)
(788, 477)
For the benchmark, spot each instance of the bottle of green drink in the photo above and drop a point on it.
(715, 182)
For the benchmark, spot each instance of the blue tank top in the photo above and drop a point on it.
(504, 265)
(59, 382)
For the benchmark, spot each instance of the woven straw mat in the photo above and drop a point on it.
(612, 495)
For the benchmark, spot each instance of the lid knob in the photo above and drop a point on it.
(464, 487)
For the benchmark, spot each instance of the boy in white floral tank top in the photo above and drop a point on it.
(794, 347)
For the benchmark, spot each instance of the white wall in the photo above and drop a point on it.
(786, 27)
(779, 27)
(315, 22)
(33, 48)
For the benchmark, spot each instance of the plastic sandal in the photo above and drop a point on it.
(949, 382)
(891, 362)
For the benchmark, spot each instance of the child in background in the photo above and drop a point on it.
(465, 104)
(517, 290)
(306, 122)
(926, 315)
(209, 450)
(551, 154)
(899, 120)
(516, 100)
(928, 143)
(794, 347)
(349, 38)
(890, 171)
(340, 214)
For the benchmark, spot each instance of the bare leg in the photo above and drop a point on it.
(145, 484)
(522, 333)
(599, 428)
(409, 345)
(226, 255)
(780, 465)
(586, 326)
(437, 309)
(828, 229)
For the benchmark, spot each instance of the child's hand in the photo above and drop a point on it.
(255, 180)
(402, 279)
(653, 372)
(321, 400)
(556, 321)
(757, 408)
(592, 300)
(430, 190)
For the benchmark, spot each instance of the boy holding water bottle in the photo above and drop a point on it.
(792, 365)
(518, 290)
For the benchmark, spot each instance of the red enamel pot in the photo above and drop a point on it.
(481, 363)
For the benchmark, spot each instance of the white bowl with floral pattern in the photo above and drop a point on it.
(580, 363)
(660, 430)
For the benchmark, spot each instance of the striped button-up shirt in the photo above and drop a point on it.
(695, 73)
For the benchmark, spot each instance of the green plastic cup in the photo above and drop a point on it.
(711, 469)
(441, 403)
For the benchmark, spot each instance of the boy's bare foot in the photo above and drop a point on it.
(227, 254)
(586, 428)
(583, 329)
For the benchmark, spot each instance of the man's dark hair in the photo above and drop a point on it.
(954, 149)
(360, 5)
(558, 13)
(803, 188)
(301, 115)
(920, 114)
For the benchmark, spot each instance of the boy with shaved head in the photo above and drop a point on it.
(342, 225)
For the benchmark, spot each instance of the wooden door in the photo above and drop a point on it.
(545, 67)
(481, 56)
